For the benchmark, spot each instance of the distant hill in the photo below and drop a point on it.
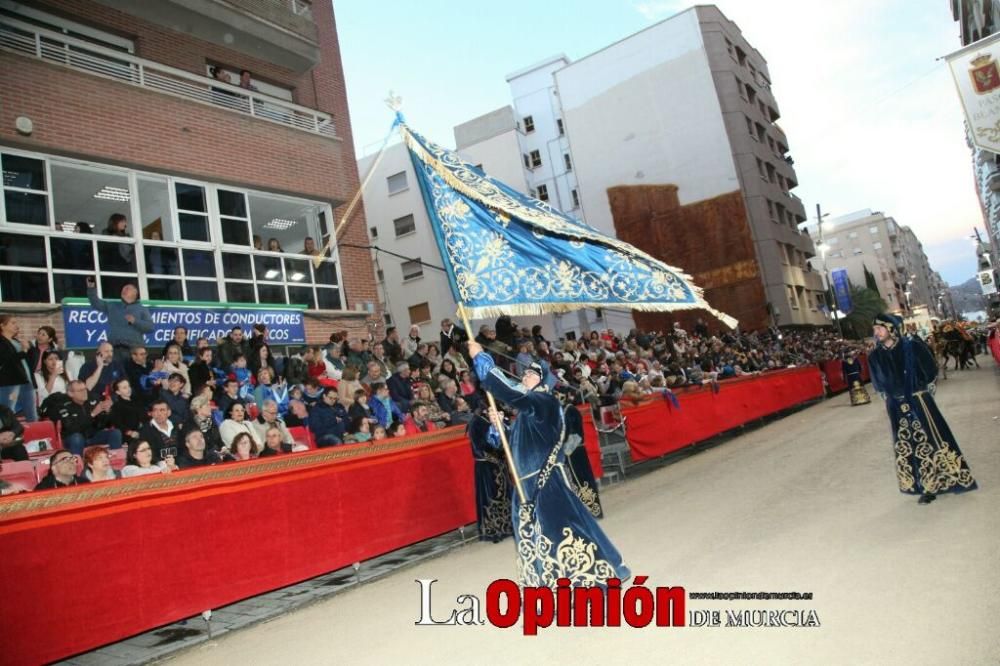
(968, 296)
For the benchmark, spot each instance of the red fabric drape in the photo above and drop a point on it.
(656, 428)
(86, 573)
(591, 442)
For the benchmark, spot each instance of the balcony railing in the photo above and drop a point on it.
(83, 56)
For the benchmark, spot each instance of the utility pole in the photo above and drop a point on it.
(826, 273)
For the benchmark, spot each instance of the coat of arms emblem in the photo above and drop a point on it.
(985, 74)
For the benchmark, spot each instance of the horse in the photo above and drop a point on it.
(958, 345)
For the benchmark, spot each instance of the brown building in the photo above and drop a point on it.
(108, 107)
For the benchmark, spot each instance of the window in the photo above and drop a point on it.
(741, 88)
(397, 182)
(791, 297)
(741, 56)
(770, 210)
(750, 128)
(873, 230)
(833, 241)
(412, 270)
(373, 232)
(751, 94)
(233, 217)
(753, 73)
(760, 132)
(729, 48)
(783, 251)
(281, 225)
(25, 190)
(858, 250)
(420, 313)
(575, 196)
(568, 161)
(404, 225)
(559, 126)
(853, 234)
(760, 169)
(386, 316)
(877, 245)
(770, 173)
(529, 124)
(380, 275)
(536, 159)
(527, 160)
(543, 192)
(192, 212)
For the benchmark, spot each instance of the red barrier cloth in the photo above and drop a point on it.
(834, 375)
(656, 428)
(865, 373)
(591, 441)
(91, 565)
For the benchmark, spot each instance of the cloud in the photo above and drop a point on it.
(655, 10)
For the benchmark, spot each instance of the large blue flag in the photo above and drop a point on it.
(506, 253)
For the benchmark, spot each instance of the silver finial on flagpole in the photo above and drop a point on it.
(394, 101)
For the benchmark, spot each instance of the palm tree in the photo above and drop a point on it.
(867, 304)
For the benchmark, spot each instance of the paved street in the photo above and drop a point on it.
(808, 503)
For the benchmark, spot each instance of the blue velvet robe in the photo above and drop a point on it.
(581, 474)
(928, 459)
(556, 536)
(855, 385)
(493, 485)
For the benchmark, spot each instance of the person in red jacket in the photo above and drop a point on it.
(418, 420)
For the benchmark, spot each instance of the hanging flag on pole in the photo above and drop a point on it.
(506, 253)
(976, 71)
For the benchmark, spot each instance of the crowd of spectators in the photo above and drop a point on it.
(193, 403)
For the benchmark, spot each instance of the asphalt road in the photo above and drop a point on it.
(808, 503)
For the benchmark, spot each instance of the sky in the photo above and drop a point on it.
(872, 117)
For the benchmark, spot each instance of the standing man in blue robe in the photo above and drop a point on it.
(928, 460)
(578, 464)
(493, 489)
(852, 375)
(556, 536)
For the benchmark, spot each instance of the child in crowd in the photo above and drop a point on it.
(243, 376)
(358, 431)
(360, 407)
(378, 432)
(383, 408)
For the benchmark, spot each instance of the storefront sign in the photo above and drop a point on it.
(86, 327)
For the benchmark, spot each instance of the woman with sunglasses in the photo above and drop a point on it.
(140, 461)
(62, 472)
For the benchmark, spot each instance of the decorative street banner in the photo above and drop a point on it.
(987, 282)
(86, 327)
(842, 289)
(977, 77)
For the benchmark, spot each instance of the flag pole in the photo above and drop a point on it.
(493, 405)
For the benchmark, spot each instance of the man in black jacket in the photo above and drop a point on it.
(160, 431)
(453, 335)
(84, 420)
(11, 436)
(230, 346)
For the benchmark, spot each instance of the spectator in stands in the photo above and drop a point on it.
(140, 461)
(62, 472)
(391, 345)
(447, 396)
(309, 247)
(411, 342)
(181, 340)
(358, 355)
(102, 371)
(243, 376)
(419, 357)
(200, 373)
(269, 390)
(201, 418)
(273, 444)
(452, 335)
(312, 392)
(298, 415)
(230, 395)
(230, 346)
(316, 367)
(176, 399)
(524, 358)
(378, 432)
(400, 388)
(51, 378)
(426, 375)
(16, 379)
(379, 358)
(146, 378)
(334, 364)
(467, 386)
(397, 429)
(45, 341)
(296, 368)
(328, 419)
(260, 358)
(97, 465)
(349, 385)
(448, 370)
(84, 420)
(128, 319)
(374, 374)
(383, 408)
(440, 417)
(360, 407)
(11, 436)
(359, 431)
(268, 418)
(160, 431)
(418, 420)
(194, 453)
(274, 245)
(235, 423)
(127, 414)
(463, 412)
(244, 448)
(434, 357)
(174, 363)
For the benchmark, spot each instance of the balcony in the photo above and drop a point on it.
(52, 47)
(993, 180)
(280, 31)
